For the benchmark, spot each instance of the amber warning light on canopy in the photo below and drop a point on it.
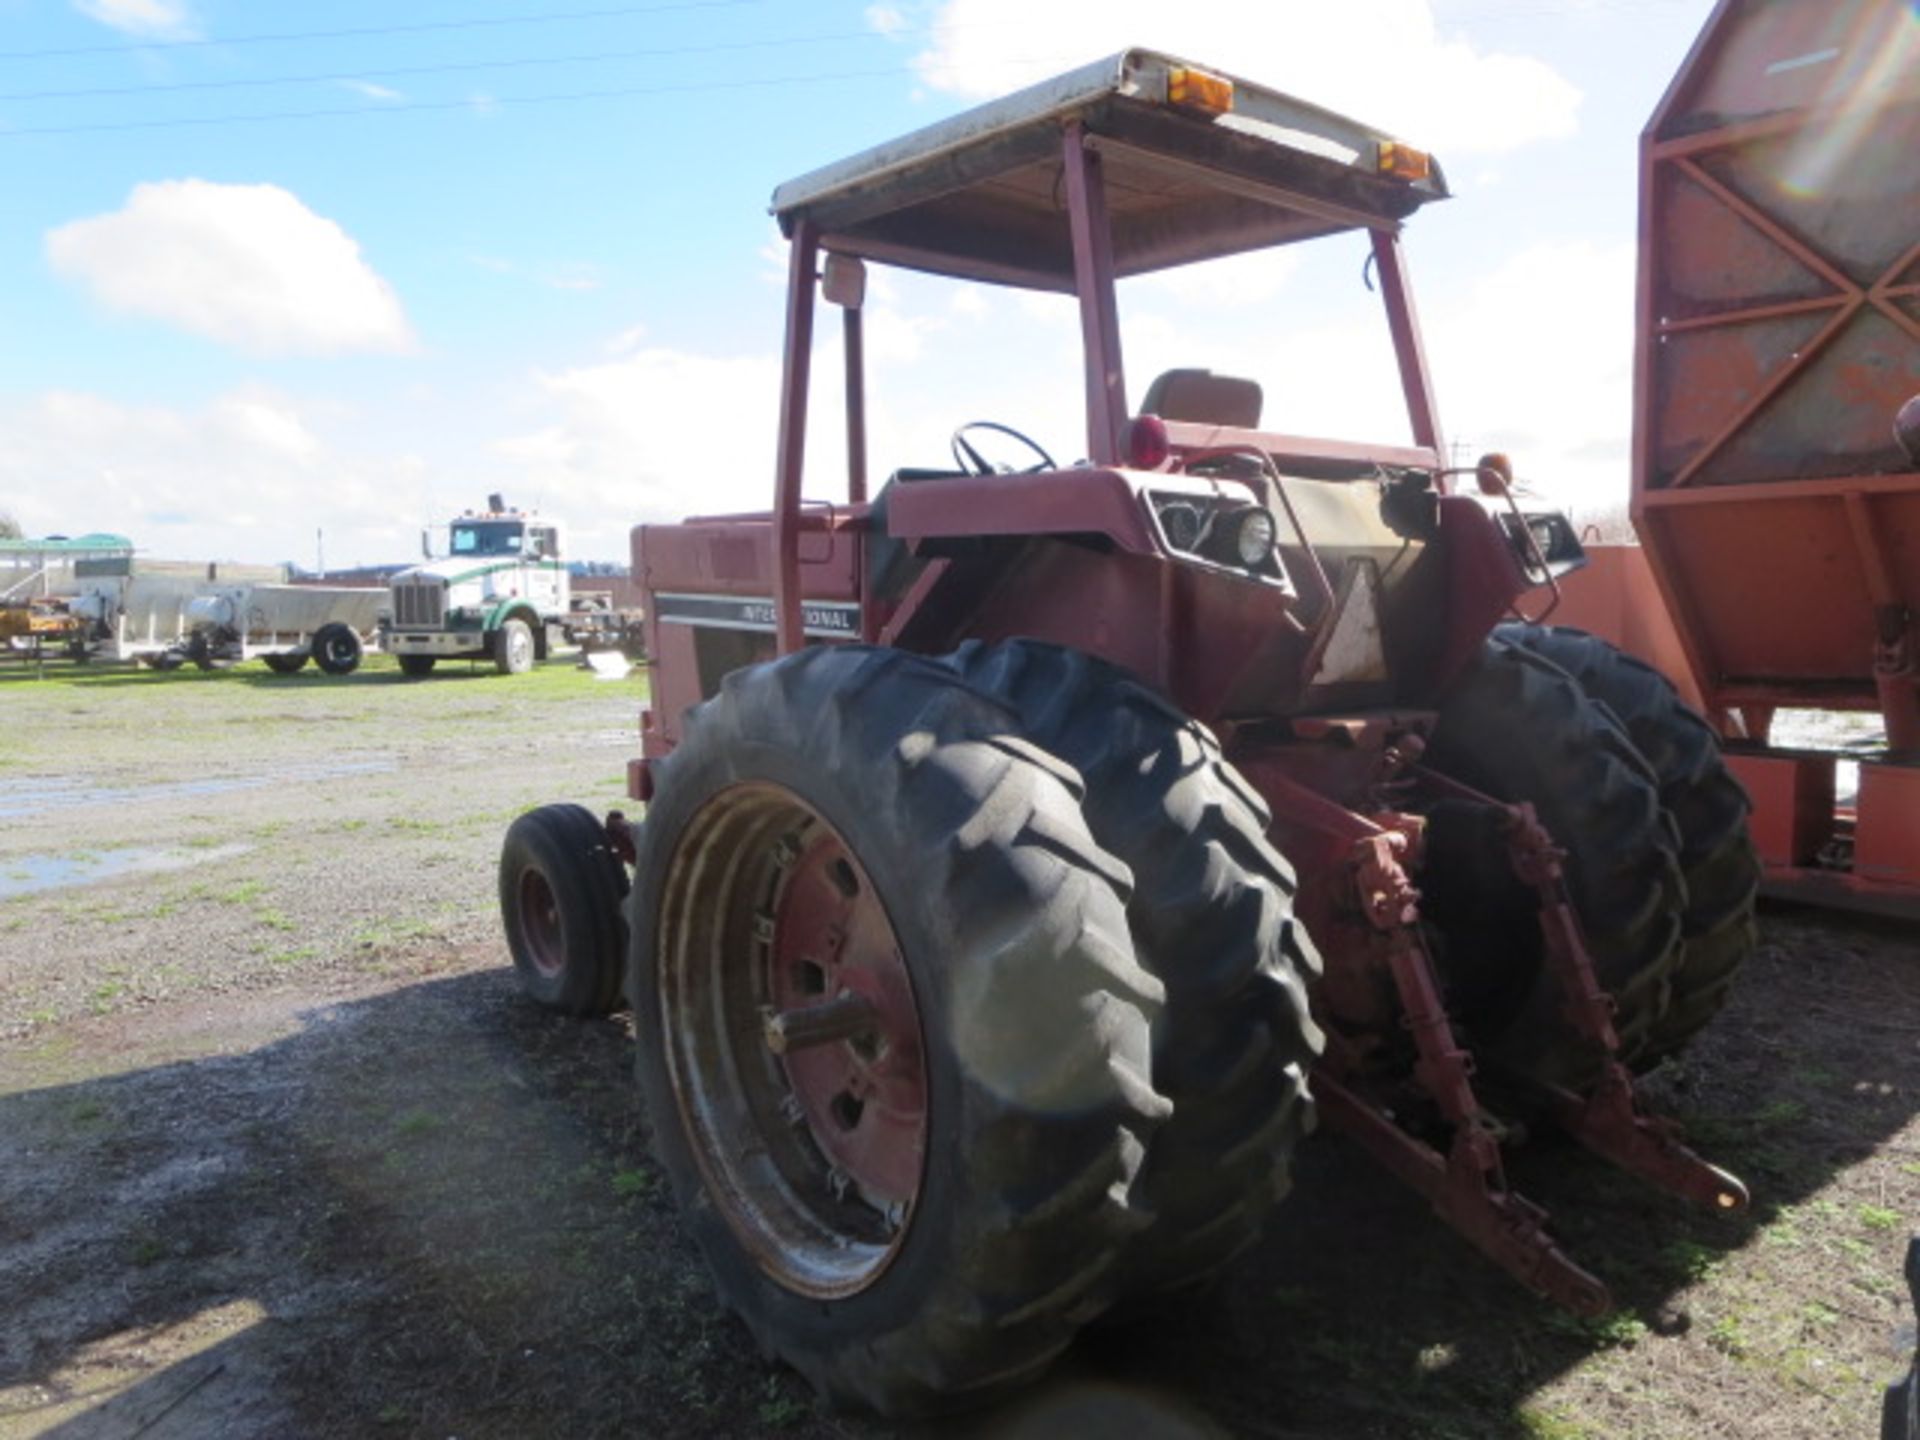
(1403, 162)
(1199, 90)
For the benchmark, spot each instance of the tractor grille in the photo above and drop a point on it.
(419, 604)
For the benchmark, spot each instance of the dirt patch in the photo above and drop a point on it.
(366, 1190)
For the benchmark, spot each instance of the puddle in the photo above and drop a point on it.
(22, 798)
(30, 874)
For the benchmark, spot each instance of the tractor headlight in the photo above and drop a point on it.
(1253, 536)
(1183, 524)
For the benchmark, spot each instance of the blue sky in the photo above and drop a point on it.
(222, 336)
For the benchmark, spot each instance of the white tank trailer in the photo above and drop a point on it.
(165, 613)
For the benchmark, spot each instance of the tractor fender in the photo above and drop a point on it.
(1061, 502)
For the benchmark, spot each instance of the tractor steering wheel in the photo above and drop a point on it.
(972, 462)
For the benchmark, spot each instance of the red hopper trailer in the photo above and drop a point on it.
(1777, 500)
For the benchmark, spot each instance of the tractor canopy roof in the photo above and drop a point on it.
(1198, 164)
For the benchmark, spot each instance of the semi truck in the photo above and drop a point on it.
(500, 593)
(503, 592)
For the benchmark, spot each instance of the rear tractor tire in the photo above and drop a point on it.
(1212, 920)
(562, 893)
(513, 648)
(336, 648)
(1519, 728)
(893, 1042)
(1709, 809)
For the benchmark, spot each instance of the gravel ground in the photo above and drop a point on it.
(283, 1153)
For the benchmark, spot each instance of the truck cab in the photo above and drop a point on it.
(502, 583)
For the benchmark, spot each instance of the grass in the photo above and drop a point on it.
(632, 1183)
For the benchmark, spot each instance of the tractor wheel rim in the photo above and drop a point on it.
(812, 1149)
(540, 928)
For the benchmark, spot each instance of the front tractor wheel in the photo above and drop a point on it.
(892, 1039)
(416, 667)
(562, 889)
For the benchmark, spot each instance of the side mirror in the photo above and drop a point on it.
(845, 281)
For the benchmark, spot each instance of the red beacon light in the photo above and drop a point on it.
(1148, 446)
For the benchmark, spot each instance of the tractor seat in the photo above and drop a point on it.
(1204, 398)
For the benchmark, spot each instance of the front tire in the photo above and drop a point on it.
(921, 1214)
(562, 893)
(416, 667)
(513, 648)
(1708, 806)
(1212, 919)
(290, 662)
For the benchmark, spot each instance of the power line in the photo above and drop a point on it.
(414, 107)
(476, 23)
(654, 52)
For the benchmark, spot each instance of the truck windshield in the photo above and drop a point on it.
(487, 538)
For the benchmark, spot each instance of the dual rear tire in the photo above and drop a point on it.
(970, 1000)
(1631, 785)
(934, 1201)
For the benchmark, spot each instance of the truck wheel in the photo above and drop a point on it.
(290, 662)
(200, 651)
(1212, 919)
(893, 1042)
(513, 648)
(416, 665)
(336, 649)
(1520, 729)
(1709, 807)
(562, 889)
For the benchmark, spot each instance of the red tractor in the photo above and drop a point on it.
(1030, 848)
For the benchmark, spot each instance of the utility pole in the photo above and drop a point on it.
(319, 551)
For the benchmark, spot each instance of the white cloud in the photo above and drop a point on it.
(1507, 375)
(1253, 278)
(1385, 62)
(656, 434)
(246, 265)
(249, 475)
(368, 90)
(159, 19)
(887, 19)
(1550, 384)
